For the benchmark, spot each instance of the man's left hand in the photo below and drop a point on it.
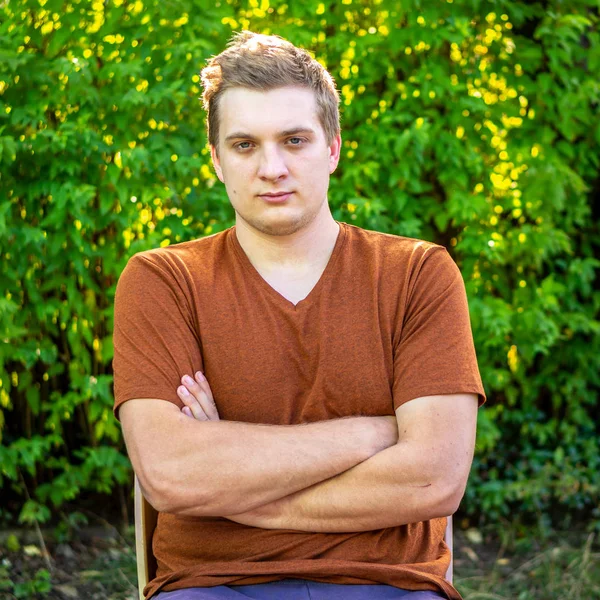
(197, 396)
(200, 405)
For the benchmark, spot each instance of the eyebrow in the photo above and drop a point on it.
(294, 131)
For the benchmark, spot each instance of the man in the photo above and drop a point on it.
(329, 424)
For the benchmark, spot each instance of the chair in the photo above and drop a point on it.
(145, 522)
(448, 539)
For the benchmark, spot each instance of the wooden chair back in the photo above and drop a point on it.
(448, 539)
(145, 522)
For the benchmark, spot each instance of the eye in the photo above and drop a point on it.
(296, 141)
(243, 146)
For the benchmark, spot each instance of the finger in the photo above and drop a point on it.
(200, 390)
(186, 411)
(211, 406)
(192, 404)
(204, 399)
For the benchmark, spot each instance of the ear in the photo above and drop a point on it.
(216, 163)
(334, 152)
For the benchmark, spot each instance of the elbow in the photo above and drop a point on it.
(200, 506)
(172, 500)
(154, 489)
(159, 498)
(451, 494)
(168, 494)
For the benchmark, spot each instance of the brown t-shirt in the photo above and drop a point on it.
(387, 322)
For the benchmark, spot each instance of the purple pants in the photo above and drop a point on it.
(297, 589)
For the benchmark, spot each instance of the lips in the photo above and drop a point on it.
(276, 196)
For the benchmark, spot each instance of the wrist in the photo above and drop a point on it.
(384, 433)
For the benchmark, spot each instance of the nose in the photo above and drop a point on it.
(272, 164)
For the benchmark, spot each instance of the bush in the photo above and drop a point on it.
(474, 129)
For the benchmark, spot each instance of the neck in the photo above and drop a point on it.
(303, 250)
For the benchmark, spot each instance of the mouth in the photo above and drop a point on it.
(276, 197)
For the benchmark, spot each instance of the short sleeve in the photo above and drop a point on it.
(435, 353)
(155, 340)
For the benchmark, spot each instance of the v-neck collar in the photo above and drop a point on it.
(278, 298)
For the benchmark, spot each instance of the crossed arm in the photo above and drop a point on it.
(353, 474)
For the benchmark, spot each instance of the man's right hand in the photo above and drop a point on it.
(186, 458)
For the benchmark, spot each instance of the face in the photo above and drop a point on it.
(274, 159)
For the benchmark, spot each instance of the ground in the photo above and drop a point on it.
(99, 564)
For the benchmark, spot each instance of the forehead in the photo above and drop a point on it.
(265, 113)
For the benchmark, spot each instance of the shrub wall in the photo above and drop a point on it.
(471, 124)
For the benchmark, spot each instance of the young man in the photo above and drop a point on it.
(330, 423)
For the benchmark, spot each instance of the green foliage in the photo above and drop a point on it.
(560, 568)
(12, 543)
(67, 528)
(38, 586)
(472, 125)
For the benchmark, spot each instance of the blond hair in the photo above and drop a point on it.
(266, 62)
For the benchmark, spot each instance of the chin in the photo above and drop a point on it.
(279, 229)
(282, 227)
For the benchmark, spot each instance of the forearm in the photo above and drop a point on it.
(396, 486)
(420, 478)
(214, 468)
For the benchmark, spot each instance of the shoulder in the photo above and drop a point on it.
(173, 270)
(395, 249)
(190, 256)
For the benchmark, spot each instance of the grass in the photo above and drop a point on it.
(563, 567)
